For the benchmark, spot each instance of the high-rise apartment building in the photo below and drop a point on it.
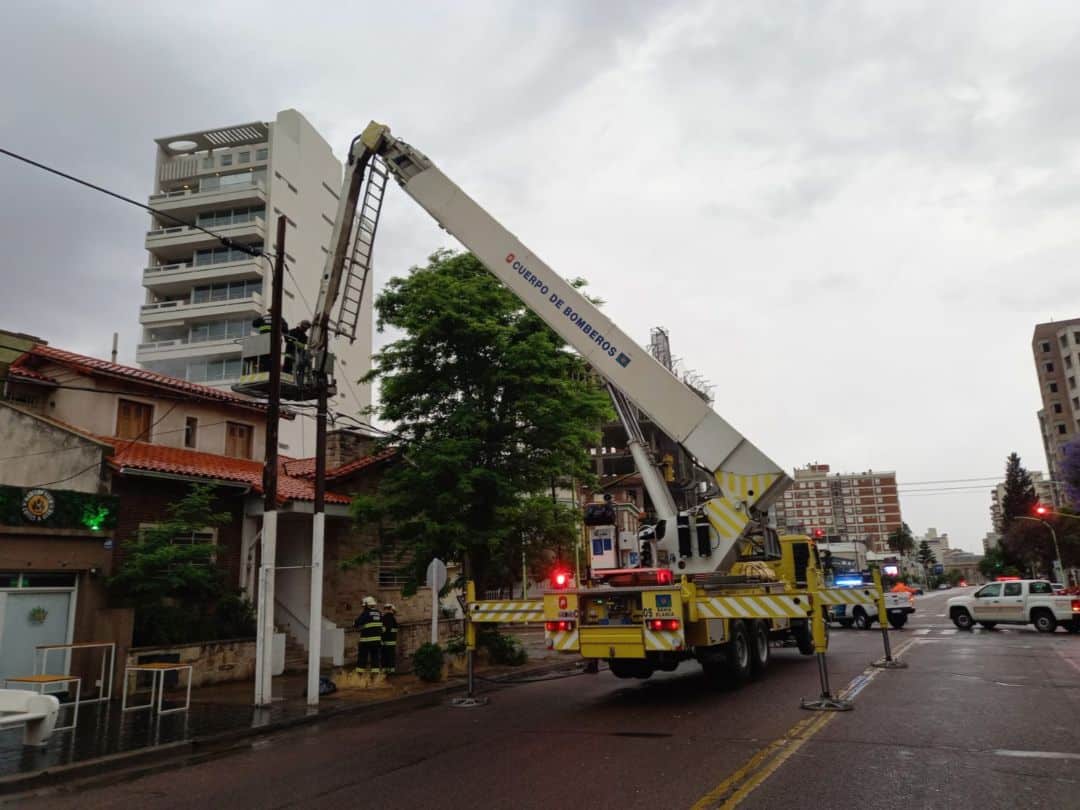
(846, 507)
(1056, 347)
(202, 296)
(1045, 490)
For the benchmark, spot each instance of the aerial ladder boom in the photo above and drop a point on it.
(749, 482)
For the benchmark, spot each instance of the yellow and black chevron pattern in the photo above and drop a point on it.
(508, 611)
(845, 596)
(663, 640)
(563, 640)
(753, 607)
(728, 514)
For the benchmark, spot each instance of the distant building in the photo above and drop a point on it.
(201, 296)
(1044, 490)
(991, 541)
(1056, 349)
(937, 543)
(846, 507)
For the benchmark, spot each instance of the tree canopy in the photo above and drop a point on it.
(1020, 497)
(926, 554)
(490, 408)
(901, 540)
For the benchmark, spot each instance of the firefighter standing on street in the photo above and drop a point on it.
(370, 625)
(389, 639)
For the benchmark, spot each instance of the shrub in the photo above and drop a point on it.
(502, 649)
(428, 662)
(455, 645)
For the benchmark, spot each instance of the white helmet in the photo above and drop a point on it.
(369, 601)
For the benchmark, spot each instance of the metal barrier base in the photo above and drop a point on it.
(826, 703)
(890, 663)
(468, 702)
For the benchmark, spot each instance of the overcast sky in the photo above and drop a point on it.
(848, 215)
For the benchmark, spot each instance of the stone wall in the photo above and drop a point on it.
(212, 661)
(410, 636)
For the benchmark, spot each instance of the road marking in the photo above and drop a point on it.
(742, 782)
(941, 615)
(949, 632)
(1005, 752)
(923, 632)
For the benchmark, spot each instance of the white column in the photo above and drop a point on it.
(318, 529)
(264, 640)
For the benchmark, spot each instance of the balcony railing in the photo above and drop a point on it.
(184, 267)
(184, 230)
(169, 196)
(185, 307)
(161, 344)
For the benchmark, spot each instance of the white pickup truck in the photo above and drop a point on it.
(1024, 601)
(898, 606)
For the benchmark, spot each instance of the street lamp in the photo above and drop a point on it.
(1042, 510)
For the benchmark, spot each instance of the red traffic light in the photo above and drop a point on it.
(1041, 509)
(560, 578)
(819, 532)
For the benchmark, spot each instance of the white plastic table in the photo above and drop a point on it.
(106, 685)
(157, 684)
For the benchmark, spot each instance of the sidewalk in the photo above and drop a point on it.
(224, 711)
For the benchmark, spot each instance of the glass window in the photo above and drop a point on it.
(1057, 407)
(993, 589)
(226, 160)
(191, 428)
(1012, 588)
(1061, 429)
(1049, 367)
(264, 153)
(1053, 388)
(1037, 587)
(243, 157)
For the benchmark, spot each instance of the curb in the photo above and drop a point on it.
(126, 765)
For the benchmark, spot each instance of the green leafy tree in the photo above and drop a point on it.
(901, 540)
(926, 554)
(489, 408)
(1020, 497)
(173, 583)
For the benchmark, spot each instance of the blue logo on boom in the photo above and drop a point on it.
(622, 360)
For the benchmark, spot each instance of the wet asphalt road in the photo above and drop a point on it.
(984, 719)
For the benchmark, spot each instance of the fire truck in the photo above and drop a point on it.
(713, 583)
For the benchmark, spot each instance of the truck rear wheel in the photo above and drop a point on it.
(800, 631)
(1044, 621)
(738, 667)
(759, 647)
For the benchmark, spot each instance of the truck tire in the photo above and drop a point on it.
(759, 648)
(1073, 626)
(897, 620)
(988, 625)
(738, 667)
(804, 639)
(1044, 621)
(862, 619)
(962, 619)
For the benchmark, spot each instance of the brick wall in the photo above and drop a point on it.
(345, 446)
(144, 500)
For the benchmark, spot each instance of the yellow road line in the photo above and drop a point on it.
(740, 784)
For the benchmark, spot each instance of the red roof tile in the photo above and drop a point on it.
(305, 467)
(29, 373)
(179, 461)
(39, 355)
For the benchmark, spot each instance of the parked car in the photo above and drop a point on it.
(944, 586)
(1025, 601)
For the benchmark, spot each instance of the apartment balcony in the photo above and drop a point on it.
(176, 313)
(189, 203)
(173, 279)
(176, 243)
(183, 348)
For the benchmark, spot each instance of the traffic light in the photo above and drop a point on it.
(1041, 510)
(819, 534)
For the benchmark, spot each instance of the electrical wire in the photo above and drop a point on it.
(226, 241)
(145, 430)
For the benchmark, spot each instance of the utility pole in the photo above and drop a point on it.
(264, 640)
(318, 534)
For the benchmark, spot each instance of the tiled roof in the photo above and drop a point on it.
(22, 371)
(305, 467)
(191, 463)
(39, 355)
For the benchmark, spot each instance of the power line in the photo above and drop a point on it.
(144, 431)
(226, 241)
